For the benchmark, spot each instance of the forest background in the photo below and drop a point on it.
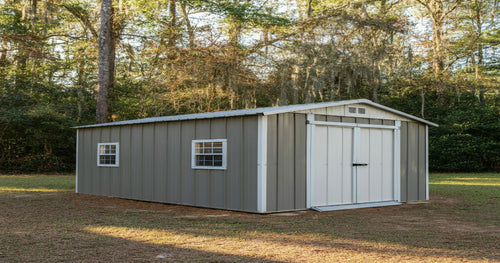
(61, 61)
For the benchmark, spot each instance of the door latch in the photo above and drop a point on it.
(359, 164)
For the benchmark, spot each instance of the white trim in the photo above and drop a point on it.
(360, 125)
(397, 162)
(426, 162)
(224, 155)
(262, 164)
(76, 170)
(309, 157)
(117, 154)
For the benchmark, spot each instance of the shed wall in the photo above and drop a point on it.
(286, 162)
(155, 163)
(413, 161)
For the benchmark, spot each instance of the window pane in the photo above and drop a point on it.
(200, 161)
(207, 150)
(207, 144)
(217, 163)
(217, 150)
(218, 157)
(218, 144)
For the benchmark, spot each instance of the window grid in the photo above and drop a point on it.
(209, 154)
(107, 154)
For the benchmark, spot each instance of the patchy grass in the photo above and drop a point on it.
(41, 220)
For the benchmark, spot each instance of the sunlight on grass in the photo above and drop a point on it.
(17, 189)
(273, 246)
(444, 179)
(30, 184)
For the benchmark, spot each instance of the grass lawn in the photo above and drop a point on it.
(43, 220)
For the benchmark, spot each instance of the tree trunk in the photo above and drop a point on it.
(173, 21)
(106, 61)
(190, 30)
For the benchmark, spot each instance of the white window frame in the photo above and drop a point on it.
(194, 154)
(117, 154)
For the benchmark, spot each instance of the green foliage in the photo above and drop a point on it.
(35, 134)
(468, 138)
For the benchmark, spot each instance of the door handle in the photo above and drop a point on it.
(359, 164)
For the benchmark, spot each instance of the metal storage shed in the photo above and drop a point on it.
(325, 156)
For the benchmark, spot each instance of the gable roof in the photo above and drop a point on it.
(258, 111)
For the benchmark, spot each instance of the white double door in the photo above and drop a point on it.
(352, 165)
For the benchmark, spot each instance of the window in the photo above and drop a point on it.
(209, 154)
(361, 110)
(108, 154)
(352, 110)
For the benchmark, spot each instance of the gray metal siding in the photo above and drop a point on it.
(404, 161)
(286, 166)
(413, 166)
(235, 186)
(174, 174)
(155, 163)
(249, 135)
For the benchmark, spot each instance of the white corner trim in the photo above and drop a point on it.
(397, 161)
(262, 164)
(76, 170)
(426, 162)
(309, 157)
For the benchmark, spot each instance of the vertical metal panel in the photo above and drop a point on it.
(136, 162)
(218, 177)
(286, 181)
(375, 163)
(174, 162)
(363, 172)
(300, 161)
(148, 150)
(421, 162)
(82, 165)
(202, 176)
(319, 181)
(404, 161)
(388, 152)
(334, 163)
(188, 194)
(250, 163)
(115, 180)
(160, 162)
(272, 161)
(96, 171)
(412, 161)
(126, 162)
(105, 172)
(234, 188)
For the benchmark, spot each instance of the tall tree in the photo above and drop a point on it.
(106, 72)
